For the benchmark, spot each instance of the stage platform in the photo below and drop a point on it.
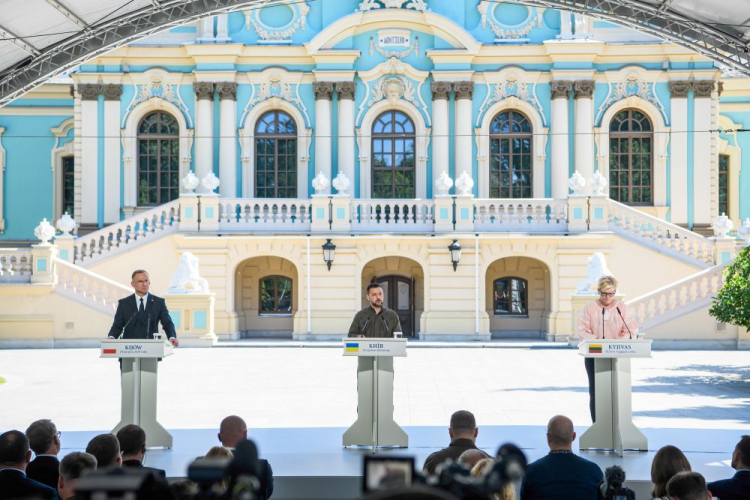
(311, 464)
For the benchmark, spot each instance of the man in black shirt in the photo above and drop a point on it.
(44, 441)
(375, 320)
(463, 432)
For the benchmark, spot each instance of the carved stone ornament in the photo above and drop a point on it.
(323, 90)
(227, 91)
(464, 90)
(210, 182)
(320, 183)
(204, 90)
(631, 86)
(441, 90)
(722, 225)
(346, 90)
(112, 91)
(443, 183)
(368, 5)
(720, 88)
(190, 182)
(597, 183)
(679, 89)
(597, 268)
(464, 184)
(156, 88)
(187, 276)
(511, 87)
(487, 10)
(560, 89)
(703, 88)
(744, 231)
(44, 232)
(89, 91)
(66, 225)
(342, 184)
(577, 183)
(584, 89)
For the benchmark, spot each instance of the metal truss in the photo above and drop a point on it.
(731, 51)
(96, 40)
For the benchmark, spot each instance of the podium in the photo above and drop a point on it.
(614, 428)
(139, 382)
(375, 426)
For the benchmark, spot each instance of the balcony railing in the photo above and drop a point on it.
(401, 216)
(272, 215)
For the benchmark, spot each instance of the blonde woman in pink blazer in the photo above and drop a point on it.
(604, 318)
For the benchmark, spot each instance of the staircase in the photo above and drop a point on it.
(87, 288)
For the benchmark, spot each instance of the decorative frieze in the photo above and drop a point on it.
(464, 90)
(367, 5)
(584, 89)
(680, 89)
(561, 89)
(346, 90)
(227, 91)
(631, 87)
(323, 90)
(511, 87)
(701, 88)
(203, 90)
(441, 90)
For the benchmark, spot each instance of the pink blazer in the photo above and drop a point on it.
(592, 324)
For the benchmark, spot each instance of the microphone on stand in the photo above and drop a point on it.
(624, 322)
(126, 325)
(365, 326)
(603, 312)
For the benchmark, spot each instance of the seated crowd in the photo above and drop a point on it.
(561, 474)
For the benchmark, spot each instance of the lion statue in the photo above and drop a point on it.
(188, 275)
(597, 269)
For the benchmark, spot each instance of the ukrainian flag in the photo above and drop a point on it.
(352, 347)
(595, 348)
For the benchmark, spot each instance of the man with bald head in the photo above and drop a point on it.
(463, 432)
(561, 474)
(232, 431)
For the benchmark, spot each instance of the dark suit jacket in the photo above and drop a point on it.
(139, 465)
(735, 488)
(137, 326)
(44, 469)
(266, 479)
(563, 476)
(15, 485)
(453, 451)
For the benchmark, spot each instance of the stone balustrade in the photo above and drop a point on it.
(15, 265)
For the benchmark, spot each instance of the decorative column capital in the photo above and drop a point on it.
(584, 89)
(703, 88)
(560, 89)
(204, 90)
(89, 91)
(720, 87)
(112, 91)
(346, 90)
(227, 91)
(441, 90)
(323, 90)
(464, 90)
(680, 89)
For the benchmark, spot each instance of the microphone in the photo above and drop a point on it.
(365, 326)
(603, 312)
(126, 324)
(384, 323)
(624, 322)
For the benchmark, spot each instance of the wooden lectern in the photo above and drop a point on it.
(614, 428)
(139, 383)
(375, 426)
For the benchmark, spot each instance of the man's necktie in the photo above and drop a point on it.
(140, 308)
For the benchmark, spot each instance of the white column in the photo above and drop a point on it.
(346, 130)
(702, 153)
(679, 141)
(463, 163)
(222, 28)
(204, 129)
(560, 169)
(228, 140)
(112, 93)
(584, 126)
(89, 154)
(440, 141)
(323, 91)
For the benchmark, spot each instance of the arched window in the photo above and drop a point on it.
(631, 173)
(510, 297)
(68, 182)
(276, 156)
(275, 295)
(393, 166)
(158, 159)
(510, 156)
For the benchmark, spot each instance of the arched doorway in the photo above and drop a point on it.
(266, 297)
(518, 297)
(402, 280)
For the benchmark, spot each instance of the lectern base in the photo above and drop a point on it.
(139, 383)
(375, 425)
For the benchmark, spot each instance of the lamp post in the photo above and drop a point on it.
(455, 250)
(328, 251)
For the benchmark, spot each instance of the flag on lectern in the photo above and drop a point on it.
(353, 347)
(595, 348)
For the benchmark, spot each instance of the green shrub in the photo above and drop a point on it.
(732, 303)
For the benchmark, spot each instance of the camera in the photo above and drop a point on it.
(611, 488)
(387, 472)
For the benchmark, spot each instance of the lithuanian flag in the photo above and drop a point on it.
(595, 348)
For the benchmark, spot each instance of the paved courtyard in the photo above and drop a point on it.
(313, 386)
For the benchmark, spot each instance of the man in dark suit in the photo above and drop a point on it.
(106, 449)
(232, 431)
(15, 456)
(687, 485)
(737, 487)
(463, 432)
(72, 468)
(138, 315)
(132, 440)
(44, 441)
(561, 474)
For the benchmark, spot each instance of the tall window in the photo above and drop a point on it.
(158, 159)
(510, 156)
(723, 184)
(393, 170)
(66, 203)
(276, 156)
(276, 295)
(510, 297)
(631, 140)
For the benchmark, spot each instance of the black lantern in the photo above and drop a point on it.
(455, 250)
(328, 250)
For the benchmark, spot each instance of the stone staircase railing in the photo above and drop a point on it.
(677, 299)
(16, 265)
(88, 288)
(661, 235)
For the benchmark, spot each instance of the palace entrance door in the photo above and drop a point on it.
(398, 294)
